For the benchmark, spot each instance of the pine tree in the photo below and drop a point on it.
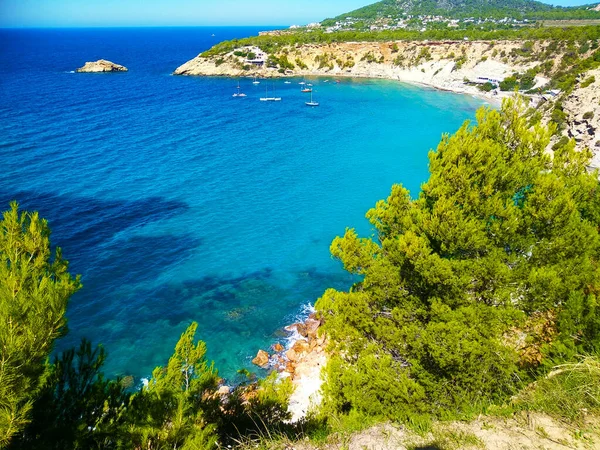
(35, 287)
(170, 411)
(501, 235)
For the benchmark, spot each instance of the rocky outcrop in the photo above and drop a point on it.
(101, 66)
(261, 359)
(302, 362)
(582, 109)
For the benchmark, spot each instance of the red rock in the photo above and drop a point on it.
(278, 347)
(311, 327)
(262, 358)
(289, 367)
(291, 354)
(301, 346)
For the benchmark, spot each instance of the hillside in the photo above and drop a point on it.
(519, 9)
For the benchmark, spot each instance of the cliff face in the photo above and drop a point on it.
(443, 65)
(582, 108)
(368, 59)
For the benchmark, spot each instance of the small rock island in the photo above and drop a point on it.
(102, 65)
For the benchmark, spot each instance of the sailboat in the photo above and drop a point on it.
(311, 103)
(287, 82)
(238, 93)
(306, 89)
(266, 98)
(255, 81)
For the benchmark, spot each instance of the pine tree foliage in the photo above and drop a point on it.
(170, 412)
(35, 287)
(467, 8)
(503, 237)
(77, 407)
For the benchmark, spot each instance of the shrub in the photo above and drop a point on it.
(588, 115)
(486, 87)
(589, 80)
(509, 84)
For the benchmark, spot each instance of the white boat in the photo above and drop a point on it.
(266, 98)
(311, 103)
(287, 82)
(255, 81)
(239, 93)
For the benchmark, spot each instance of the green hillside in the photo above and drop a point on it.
(467, 8)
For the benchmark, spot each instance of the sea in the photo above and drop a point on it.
(177, 202)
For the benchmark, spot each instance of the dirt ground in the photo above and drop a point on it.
(529, 431)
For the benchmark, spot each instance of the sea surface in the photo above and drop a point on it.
(177, 202)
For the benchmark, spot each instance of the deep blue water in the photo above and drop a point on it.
(177, 202)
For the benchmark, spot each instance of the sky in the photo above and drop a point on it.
(90, 13)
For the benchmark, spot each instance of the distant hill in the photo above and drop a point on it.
(468, 8)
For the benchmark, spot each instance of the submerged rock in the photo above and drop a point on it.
(102, 65)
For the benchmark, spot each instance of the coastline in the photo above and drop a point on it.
(442, 66)
(451, 66)
(301, 360)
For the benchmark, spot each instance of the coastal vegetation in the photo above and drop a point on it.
(271, 42)
(498, 9)
(476, 295)
(474, 288)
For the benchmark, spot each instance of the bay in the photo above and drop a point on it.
(177, 202)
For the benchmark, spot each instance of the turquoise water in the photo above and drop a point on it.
(177, 202)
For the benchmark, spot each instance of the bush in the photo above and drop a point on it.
(589, 80)
(486, 87)
(588, 115)
(509, 84)
(558, 116)
(564, 140)
(526, 82)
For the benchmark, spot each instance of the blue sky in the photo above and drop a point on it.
(81, 13)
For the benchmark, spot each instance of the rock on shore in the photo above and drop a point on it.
(302, 362)
(100, 66)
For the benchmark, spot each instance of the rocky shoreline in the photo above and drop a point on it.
(454, 66)
(302, 361)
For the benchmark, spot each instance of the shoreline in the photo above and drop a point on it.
(301, 360)
(450, 66)
(444, 66)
